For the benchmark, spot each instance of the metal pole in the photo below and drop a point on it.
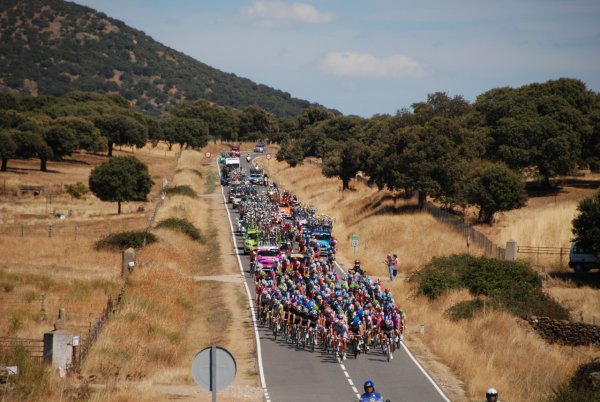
(213, 372)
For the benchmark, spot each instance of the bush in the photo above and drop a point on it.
(511, 286)
(76, 190)
(124, 240)
(32, 380)
(183, 226)
(580, 388)
(182, 190)
(465, 309)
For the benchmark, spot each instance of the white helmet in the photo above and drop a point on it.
(491, 392)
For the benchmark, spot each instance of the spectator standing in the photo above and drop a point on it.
(390, 264)
(395, 263)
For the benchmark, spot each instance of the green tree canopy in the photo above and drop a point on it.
(313, 115)
(586, 225)
(121, 179)
(256, 123)
(345, 161)
(121, 130)
(87, 135)
(184, 131)
(222, 122)
(8, 147)
(62, 140)
(494, 188)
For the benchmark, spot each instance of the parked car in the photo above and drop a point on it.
(260, 148)
(581, 260)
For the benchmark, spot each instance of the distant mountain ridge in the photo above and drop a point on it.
(51, 47)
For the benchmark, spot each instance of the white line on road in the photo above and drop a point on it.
(425, 372)
(409, 354)
(258, 348)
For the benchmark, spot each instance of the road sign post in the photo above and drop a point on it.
(355, 239)
(214, 368)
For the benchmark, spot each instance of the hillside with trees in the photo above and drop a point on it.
(52, 47)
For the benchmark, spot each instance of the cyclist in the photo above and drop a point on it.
(370, 394)
(357, 268)
(387, 329)
(491, 395)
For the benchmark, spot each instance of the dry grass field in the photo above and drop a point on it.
(173, 305)
(494, 349)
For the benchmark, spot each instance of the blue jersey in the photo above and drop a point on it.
(371, 397)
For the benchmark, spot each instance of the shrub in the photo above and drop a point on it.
(511, 286)
(182, 226)
(76, 190)
(465, 309)
(32, 380)
(182, 190)
(123, 240)
(581, 387)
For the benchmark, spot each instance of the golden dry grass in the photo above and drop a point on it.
(166, 315)
(64, 268)
(493, 349)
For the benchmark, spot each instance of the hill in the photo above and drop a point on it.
(51, 47)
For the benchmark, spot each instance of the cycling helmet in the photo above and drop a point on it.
(491, 392)
(356, 262)
(369, 384)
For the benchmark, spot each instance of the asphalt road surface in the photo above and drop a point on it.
(300, 375)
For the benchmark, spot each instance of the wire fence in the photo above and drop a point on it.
(87, 340)
(472, 235)
(34, 347)
(62, 231)
(541, 254)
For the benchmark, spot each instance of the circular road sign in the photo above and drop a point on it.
(268, 156)
(214, 365)
(207, 154)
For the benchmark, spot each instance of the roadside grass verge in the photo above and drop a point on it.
(211, 183)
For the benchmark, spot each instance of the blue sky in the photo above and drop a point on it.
(366, 57)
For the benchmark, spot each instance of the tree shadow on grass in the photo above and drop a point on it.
(591, 279)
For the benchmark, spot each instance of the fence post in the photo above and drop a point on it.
(22, 230)
(561, 259)
(511, 250)
(43, 308)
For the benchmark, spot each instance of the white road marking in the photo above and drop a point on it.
(410, 355)
(254, 322)
(425, 373)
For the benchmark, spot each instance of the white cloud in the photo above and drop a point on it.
(275, 12)
(357, 64)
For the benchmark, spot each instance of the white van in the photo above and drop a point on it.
(581, 260)
(232, 163)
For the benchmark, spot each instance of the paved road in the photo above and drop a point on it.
(299, 375)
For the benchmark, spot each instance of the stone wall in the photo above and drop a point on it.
(566, 332)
